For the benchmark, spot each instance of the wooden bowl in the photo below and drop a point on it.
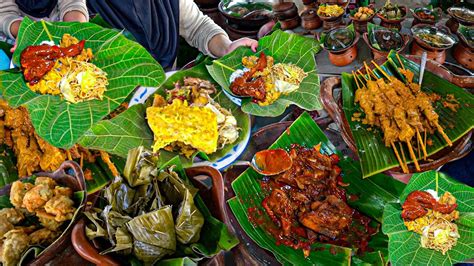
(285, 10)
(381, 54)
(76, 182)
(393, 23)
(310, 19)
(361, 25)
(460, 148)
(291, 23)
(213, 196)
(247, 23)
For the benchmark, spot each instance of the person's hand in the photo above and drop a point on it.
(253, 44)
(12, 50)
(14, 28)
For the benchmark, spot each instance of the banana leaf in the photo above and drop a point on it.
(467, 34)
(369, 197)
(243, 120)
(374, 156)
(163, 214)
(189, 220)
(118, 135)
(127, 64)
(405, 247)
(285, 48)
(154, 234)
(8, 170)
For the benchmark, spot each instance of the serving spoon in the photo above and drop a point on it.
(424, 57)
(269, 162)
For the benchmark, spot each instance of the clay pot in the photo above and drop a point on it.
(393, 23)
(464, 55)
(381, 54)
(332, 22)
(434, 53)
(344, 56)
(310, 20)
(285, 10)
(200, 176)
(252, 23)
(418, 20)
(361, 25)
(453, 22)
(291, 23)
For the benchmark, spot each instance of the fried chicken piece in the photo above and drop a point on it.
(37, 197)
(15, 242)
(12, 215)
(329, 217)
(280, 209)
(43, 236)
(51, 157)
(17, 193)
(47, 220)
(61, 207)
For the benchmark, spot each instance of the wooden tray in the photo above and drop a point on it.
(460, 148)
(213, 196)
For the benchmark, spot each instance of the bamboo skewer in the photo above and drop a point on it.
(360, 73)
(400, 162)
(404, 158)
(369, 71)
(413, 156)
(445, 137)
(399, 60)
(356, 79)
(423, 144)
(381, 70)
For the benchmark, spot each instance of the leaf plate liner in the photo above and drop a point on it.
(284, 48)
(405, 247)
(374, 156)
(127, 64)
(370, 197)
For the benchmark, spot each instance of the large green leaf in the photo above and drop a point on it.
(285, 48)
(369, 197)
(404, 246)
(374, 156)
(127, 64)
(120, 134)
(243, 120)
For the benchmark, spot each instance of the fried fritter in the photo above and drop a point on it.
(12, 215)
(47, 181)
(47, 220)
(65, 191)
(17, 193)
(43, 236)
(14, 244)
(5, 226)
(60, 206)
(37, 197)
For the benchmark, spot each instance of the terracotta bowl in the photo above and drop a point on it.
(418, 20)
(76, 182)
(291, 23)
(460, 148)
(331, 22)
(381, 54)
(464, 53)
(207, 3)
(213, 196)
(361, 25)
(247, 23)
(453, 22)
(344, 56)
(393, 23)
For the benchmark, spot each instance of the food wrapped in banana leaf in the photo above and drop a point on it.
(149, 212)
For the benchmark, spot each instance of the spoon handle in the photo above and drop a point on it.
(422, 67)
(241, 163)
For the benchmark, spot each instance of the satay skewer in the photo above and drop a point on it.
(403, 157)
(423, 144)
(355, 79)
(443, 134)
(381, 70)
(369, 71)
(360, 73)
(413, 156)
(399, 60)
(402, 165)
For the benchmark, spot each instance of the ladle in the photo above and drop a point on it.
(269, 162)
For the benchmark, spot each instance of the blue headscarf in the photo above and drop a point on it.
(154, 23)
